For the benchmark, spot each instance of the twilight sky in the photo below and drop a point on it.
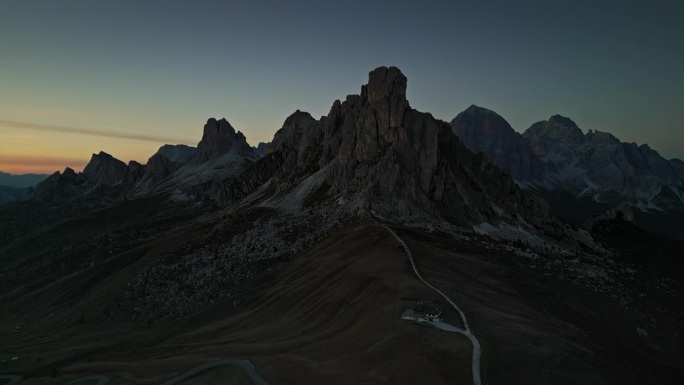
(125, 77)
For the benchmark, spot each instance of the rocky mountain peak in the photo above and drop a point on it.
(299, 141)
(386, 93)
(374, 148)
(219, 137)
(104, 169)
(385, 83)
(177, 152)
(297, 118)
(556, 135)
(562, 121)
(557, 128)
(483, 130)
(159, 167)
(476, 118)
(67, 172)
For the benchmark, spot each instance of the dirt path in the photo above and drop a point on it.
(466, 331)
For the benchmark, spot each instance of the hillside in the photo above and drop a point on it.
(302, 257)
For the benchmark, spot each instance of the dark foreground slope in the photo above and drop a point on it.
(537, 329)
(331, 315)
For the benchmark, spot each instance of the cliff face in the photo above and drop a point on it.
(375, 146)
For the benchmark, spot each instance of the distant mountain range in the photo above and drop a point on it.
(580, 174)
(21, 180)
(222, 152)
(14, 187)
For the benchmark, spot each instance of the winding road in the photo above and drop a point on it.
(244, 364)
(466, 331)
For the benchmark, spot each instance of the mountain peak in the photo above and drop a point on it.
(67, 171)
(562, 121)
(177, 152)
(218, 138)
(475, 108)
(105, 169)
(385, 83)
(102, 155)
(481, 113)
(377, 152)
(483, 130)
(557, 128)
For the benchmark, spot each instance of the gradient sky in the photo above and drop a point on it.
(125, 77)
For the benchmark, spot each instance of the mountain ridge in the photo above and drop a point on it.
(593, 167)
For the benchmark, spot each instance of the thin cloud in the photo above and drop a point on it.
(92, 132)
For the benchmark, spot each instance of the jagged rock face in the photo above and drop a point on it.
(376, 146)
(177, 152)
(105, 170)
(598, 163)
(261, 149)
(483, 130)
(218, 139)
(159, 167)
(595, 166)
(234, 188)
(299, 141)
(134, 173)
(553, 140)
(61, 186)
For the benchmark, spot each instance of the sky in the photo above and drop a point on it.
(125, 77)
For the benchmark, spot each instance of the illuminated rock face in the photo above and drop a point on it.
(375, 146)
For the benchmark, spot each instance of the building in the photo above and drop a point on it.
(423, 311)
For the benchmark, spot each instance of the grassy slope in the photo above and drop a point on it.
(331, 316)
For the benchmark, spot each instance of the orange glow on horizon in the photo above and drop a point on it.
(25, 164)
